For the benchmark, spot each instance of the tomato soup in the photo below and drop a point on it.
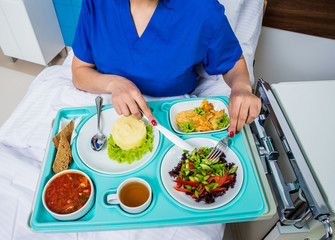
(67, 193)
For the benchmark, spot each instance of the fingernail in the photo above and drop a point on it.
(154, 123)
(231, 134)
(237, 132)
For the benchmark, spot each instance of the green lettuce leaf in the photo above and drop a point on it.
(187, 127)
(129, 156)
(199, 110)
(223, 121)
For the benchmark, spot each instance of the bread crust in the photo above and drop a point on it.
(66, 131)
(63, 157)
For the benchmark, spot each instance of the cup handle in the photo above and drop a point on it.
(112, 199)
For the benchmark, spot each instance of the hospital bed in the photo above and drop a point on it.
(24, 136)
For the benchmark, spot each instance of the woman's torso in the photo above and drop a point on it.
(161, 62)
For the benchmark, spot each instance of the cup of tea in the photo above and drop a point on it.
(133, 195)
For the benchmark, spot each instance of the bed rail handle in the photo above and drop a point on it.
(329, 231)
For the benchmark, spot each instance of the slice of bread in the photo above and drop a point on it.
(63, 156)
(66, 131)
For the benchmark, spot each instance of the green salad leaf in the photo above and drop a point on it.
(223, 121)
(187, 127)
(197, 175)
(232, 170)
(199, 110)
(129, 156)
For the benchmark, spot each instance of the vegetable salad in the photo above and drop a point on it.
(202, 179)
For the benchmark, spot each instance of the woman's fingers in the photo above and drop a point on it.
(234, 109)
(145, 108)
(242, 109)
(254, 111)
(242, 116)
(127, 106)
(134, 109)
(124, 109)
(127, 99)
(117, 108)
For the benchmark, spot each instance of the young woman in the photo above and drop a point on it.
(127, 48)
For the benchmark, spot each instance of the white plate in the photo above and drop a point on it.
(188, 105)
(171, 160)
(99, 161)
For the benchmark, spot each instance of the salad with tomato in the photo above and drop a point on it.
(202, 179)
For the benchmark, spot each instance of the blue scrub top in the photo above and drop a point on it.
(180, 35)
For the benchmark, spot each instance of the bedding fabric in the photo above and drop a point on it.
(24, 136)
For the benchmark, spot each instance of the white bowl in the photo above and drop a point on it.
(78, 213)
(188, 105)
(171, 159)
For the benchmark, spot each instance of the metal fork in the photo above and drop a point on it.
(219, 149)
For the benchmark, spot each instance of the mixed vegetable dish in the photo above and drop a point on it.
(202, 179)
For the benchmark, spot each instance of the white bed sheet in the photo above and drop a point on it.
(24, 136)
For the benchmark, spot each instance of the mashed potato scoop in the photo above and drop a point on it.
(128, 132)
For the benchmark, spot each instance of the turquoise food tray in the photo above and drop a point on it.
(164, 210)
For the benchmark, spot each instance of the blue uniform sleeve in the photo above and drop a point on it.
(81, 46)
(223, 50)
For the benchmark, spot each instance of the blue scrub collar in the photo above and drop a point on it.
(168, 3)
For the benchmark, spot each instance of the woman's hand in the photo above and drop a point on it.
(126, 97)
(243, 108)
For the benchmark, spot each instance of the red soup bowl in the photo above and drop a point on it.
(68, 195)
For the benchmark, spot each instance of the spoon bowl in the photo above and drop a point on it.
(98, 140)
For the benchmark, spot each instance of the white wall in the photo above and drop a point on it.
(283, 56)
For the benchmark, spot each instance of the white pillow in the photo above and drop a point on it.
(245, 18)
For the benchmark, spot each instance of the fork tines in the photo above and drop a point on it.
(218, 150)
(214, 155)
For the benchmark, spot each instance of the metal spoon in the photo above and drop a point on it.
(98, 140)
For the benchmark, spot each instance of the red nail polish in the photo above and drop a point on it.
(231, 134)
(237, 132)
(154, 123)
